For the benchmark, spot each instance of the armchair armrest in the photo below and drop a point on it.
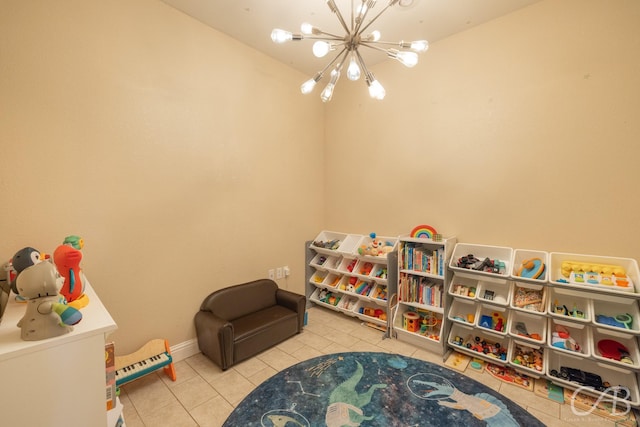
(292, 301)
(215, 338)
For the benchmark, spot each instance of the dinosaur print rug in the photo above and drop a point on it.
(374, 389)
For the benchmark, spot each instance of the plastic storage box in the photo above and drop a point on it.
(494, 293)
(463, 311)
(530, 266)
(567, 304)
(482, 252)
(570, 338)
(528, 327)
(529, 297)
(616, 313)
(615, 347)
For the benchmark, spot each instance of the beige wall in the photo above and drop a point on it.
(180, 155)
(522, 132)
(189, 162)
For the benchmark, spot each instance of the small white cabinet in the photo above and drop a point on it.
(57, 382)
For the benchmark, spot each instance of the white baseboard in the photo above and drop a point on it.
(184, 350)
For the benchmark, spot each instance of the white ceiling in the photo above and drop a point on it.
(251, 22)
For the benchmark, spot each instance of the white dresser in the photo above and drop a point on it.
(57, 382)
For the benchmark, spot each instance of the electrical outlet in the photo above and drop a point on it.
(272, 274)
(286, 271)
(279, 273)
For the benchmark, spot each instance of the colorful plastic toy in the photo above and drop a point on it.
(46, 315)
(67, 259)
(531, 268)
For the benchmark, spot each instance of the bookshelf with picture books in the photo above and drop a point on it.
(420, 316)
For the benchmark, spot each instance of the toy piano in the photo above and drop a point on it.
(149, 358)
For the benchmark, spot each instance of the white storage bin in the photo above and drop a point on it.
(318, 276)
(528, 327)
(463, 287)
(376, 248)
(363, 268)
(529, 265)
(563, 267)
(328, 242)
(494, 293)
(481, 252)
(492, 318)
(529, 297)
(615, 347)
(570, 338)
(332, 280)
(347, 284)
(348, 304)
(528, 358)
(371, 311)
(332, 263)
(470, 340)
(463, 311)
(379, 292)
(616, 313)
(604, 378)
(319, 261)
(326, 297)
(348, 265)
(569, 305)
(380, 273)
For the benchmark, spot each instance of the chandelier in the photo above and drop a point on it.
(356, 37)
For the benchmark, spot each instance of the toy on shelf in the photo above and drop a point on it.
(46, 315)
(378, 313)
(521, 328)
(495, 321)
(366, 268)
(67, 259)
(488, 348)
(329, 244)
(579, 272)
(562, 309)
(376, 247)
(532, 268)
(590, 380)
(465, 291)
(527, 357)
(424, 231)
(528, 299)
(411, 321)
(623, 321)
(487, 265)
(614, 350)
(561, 338)
(24, 258)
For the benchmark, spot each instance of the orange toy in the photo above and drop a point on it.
(67, 260)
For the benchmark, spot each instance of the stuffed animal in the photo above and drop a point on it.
(25, 257)
(46, 315)
(67, 258)
(376, 247)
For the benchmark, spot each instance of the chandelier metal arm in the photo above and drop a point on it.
(361, 30)
(334, 9)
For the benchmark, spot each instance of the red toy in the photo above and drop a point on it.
(67, 260)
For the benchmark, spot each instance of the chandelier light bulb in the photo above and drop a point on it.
(320, 49)
(306, 28)
(353, 71)
(307, 87)
(409, 59)
(281, 36)
(374, 36)
(420, 45)
(376, 91)
(327, 93)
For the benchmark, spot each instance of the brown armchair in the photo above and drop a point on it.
(240, 321)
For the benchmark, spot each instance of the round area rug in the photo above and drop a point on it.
(374, 389)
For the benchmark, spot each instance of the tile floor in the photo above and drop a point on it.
(204, 395)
